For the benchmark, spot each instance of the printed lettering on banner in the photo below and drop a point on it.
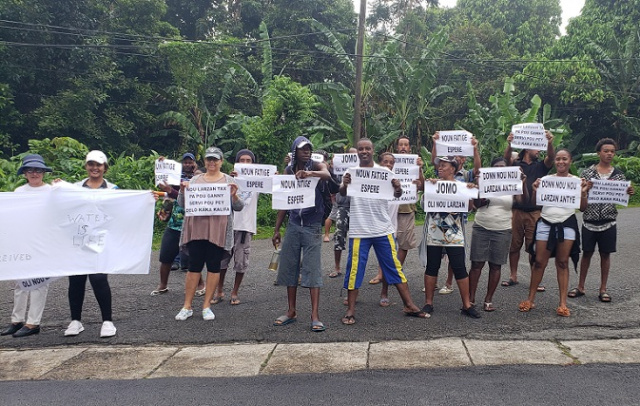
(609, 191)
(448, 196)
(289, 193)
(207, 199)
(168, 171)
(529, 136)
(372, 183)
(342, 162)
(505, 181)
(74, 231)
(33, 284)
(404, 161)
(454, 142)
(559, 191)
(406, 176)
(255, 177)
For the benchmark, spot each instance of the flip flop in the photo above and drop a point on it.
(375, 281)
(604, 297)
(217, 299)
(419, 314)
(385, 302)
(334, 274)
(488, 307)
(201, 292)
(234, 301)
(510, 282)
(575, 292)
(317, 326)
(159, 291)
(284, 320)
(541, 289)
(348, 320)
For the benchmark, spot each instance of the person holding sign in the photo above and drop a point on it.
(370, 225)
(599, 220)
(208, 237)
(96, 166)
(556, 230)
(301, 249)
(445, 230)
(526, 213)
(33, 169)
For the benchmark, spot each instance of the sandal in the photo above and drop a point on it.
(541, 288)
(488, 307)
(335, 274)
(510, 282)
(604, 297)
(217, 299)
(385, 302)
(375, 281)
(158, 292)
(575, 292)
(563, 311)
(200, 292)
(234, 301)
(526, 305)
(317, 326)
(348, 320)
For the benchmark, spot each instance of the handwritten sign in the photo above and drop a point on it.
(529, 136)
(317, 157)
(74, 231)
(207, 199)
(342, 162)
(372, 183)
(168, 171)
(505, 181)
(559, 191)
(448, 196)
(255, 177)
(289, 193)
(609, 191)
(454, 142)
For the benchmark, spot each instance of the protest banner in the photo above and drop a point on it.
(207, 199)
(407, 177)
(454, 142)
(529, 136)
(342, 162)
(33, 284)
(505, 181)
(289, 193)
(559, 191)
(168, 171)
(448, 196)
(609, 191)
(75, 231)
(255, 177)
(372, 183)
(317, 157)
(405, 161)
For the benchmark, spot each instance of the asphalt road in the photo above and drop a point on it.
(505, 385)
(143, 319)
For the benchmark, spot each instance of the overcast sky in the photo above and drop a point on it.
(570, 8)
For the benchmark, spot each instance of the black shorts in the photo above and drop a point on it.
(170, 246)
(201, 252)
(606, 240)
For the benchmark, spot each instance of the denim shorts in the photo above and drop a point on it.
(542, 232)
(301, 256)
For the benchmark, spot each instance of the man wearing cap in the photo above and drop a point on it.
(302, 244)
(170, 246)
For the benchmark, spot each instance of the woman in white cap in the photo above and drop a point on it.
(33, 168)
(96, 165)
(207, 237)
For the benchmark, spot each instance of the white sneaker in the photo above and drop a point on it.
(446, 290)
(207, 314)
(107, 330)
(184, 314)
(75, 328)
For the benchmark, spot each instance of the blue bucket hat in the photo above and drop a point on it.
(33, 161)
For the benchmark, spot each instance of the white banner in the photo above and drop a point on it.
(504, 181)
(74, 231)
(290, 193)
(33, 284)
(255, 177)
(609, 191)
(168, 171)
(207, 199)
(372, 183)
(317, 157)
(404, 161)
(406, 176)
(529, 136)
(454, 142)
(559, 191)
(448, 196)
(342, 162)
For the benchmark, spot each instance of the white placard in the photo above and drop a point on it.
(255, 177)
(559, 191)
(168, 171)
(454, 142)
(406, 176)
(506, 181)
(342, 162)
(372, 183)
(404, 160)
(75, 231)
(529, 136)
(317, 157)
(448, 196)
(34, 283)
(609, 191)
(290, 193)
(207, 199)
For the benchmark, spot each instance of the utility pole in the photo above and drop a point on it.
(357, 108)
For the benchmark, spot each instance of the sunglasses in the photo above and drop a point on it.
(34, 170)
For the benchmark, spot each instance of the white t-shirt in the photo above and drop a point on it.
(246, 219)
(369, 218)
(27, 188)
(393, 213)
(557, 214)
(497, 215)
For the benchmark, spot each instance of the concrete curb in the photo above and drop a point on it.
(241, 360)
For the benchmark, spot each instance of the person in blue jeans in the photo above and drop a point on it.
(301, 249)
